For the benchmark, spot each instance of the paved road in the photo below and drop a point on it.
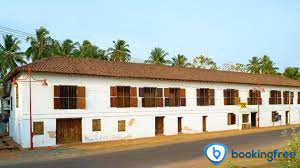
(163, 155)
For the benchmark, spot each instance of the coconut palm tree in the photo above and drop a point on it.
(180, 60)
(254, 65)
(120, 51)
(204, 62)
(292, 72)
(268, 66)
(88, 50)
(40, 45)
(66, 48)
(158, 56)
(11, 56)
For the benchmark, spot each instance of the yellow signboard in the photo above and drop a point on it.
(243, 105)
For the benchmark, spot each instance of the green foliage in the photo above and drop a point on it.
(254, 65)
(120, 51)
(158, 56)
(180, 60)
(40, 46)
(268, 66)
(230, 164)
(88, 50)
(237, 67)
(204, 62)
(292, 72)
(293, 145)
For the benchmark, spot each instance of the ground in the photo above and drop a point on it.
(161, 152)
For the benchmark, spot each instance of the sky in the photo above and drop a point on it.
(228, 31)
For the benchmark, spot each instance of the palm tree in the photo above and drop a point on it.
(88, 50)
(254, 65)
(180, 60)
(40, 45)
(204, 62)
(66, 48)
(268, 66)
(292, 73)
(11, 56)
(157, 56)
(120, 51)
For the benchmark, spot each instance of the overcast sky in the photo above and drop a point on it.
(227, 31)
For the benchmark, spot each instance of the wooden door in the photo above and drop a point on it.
(159, 125)
(204, 123)
(68, 131)
(179, 124)
(287, 118)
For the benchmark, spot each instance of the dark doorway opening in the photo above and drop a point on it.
(287, 117)
(253, 119)
(179, 124)
(204, 118)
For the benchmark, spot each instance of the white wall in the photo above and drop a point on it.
(140, 122)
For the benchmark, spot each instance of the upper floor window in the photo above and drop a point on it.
(254, 97)
(123, 96)
(231, 97)
(275, 97)
(288, 97)
(69, 97)
(174, 97)
(205, 97)
(151, 97)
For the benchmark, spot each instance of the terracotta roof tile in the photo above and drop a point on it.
(84, 66)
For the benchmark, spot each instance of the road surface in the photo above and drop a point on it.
(166, 155)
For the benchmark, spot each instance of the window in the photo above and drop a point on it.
(38, 128)
(245, 118)
(17, 96)
(96, 124)
(275, 116)
(275, 97)
(254, 97)
(174, 97)
(123, 96)
(205, 97)
(231, 119)
(298, 97)
(121, 125)
(231, 97)
(151, 97)
(69, 97)
(288, 97)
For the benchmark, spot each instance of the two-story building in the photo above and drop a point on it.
(88, 100)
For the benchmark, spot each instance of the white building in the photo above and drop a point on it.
(89, 100)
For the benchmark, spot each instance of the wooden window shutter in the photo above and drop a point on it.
(236, 93)
(80, 102)
(133, 92)
(56, 103)
(133, 102)
(56, 91)
(121, 125)
(96, 124)
(182, 93)
(38, 128)
(211, 97)
(141, 92)
(237, 100)
(166, 92)
(159, 92)
(113, 91)
(80, 91)
(167, 101)
(113, 102)
(198, 92)
(229, 119)
(182, 102)
(159, 102)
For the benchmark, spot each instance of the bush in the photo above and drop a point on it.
(293, 145)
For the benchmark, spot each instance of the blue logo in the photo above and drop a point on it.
(215, 152)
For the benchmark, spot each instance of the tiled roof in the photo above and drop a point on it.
(84, 66)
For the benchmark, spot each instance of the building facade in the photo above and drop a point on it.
(81, 105)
